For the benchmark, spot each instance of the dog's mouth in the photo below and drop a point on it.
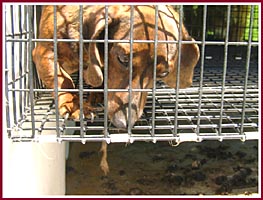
(123, 117)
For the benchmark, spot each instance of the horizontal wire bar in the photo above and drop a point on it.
(161, 90)
(138, 41)
(34, 123)
(125, 137)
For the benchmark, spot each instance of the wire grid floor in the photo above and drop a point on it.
(165, 100)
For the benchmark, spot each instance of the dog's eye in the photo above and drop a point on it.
(163, 74)
(162, 67)
(124, 59)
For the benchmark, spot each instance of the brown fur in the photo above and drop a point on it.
(118, 68)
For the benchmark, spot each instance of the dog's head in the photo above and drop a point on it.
(143, 56)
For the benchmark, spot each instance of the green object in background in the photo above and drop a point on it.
(254, 27)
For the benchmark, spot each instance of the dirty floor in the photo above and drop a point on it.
(206, 168)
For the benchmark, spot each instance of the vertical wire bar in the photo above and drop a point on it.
(130, 71)
(26, 99)
(36, 79)
(224, 70)
(6, 80)
(26, 48)
(13, 63)
(247, 70)
(106, 37)
(21, 105)
(201, 71)
(37, 13)
(55, 42)
(154, 72)
(30, 63)
(175, 131)
(81, 71)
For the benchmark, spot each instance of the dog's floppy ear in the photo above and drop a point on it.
(93, 75)
(189, 59)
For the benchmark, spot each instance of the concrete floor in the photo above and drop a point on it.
(207, 168)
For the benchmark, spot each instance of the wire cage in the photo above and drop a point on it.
(223, 102)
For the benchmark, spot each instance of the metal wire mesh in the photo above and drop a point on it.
(45, 115)
(223, 102)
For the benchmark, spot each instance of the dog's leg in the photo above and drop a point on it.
(44, 59)
(104, 163)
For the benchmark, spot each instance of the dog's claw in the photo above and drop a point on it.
(89, 112)
(66, 116)
(92, 117)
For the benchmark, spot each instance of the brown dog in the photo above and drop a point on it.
(118, 53)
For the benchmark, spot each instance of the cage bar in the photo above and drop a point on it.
(223, 102)
(30, 62)
(106, 66)
(154, 72)
(224, 68)
(247, 69)
(178, 68)
(130, 69)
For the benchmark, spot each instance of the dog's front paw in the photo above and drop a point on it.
(88, 113)
(69, 106)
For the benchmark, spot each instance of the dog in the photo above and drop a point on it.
(143, 56)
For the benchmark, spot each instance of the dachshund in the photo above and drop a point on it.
(164, 53)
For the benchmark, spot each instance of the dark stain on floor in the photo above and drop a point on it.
(206, 168)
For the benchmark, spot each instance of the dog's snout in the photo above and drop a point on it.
(120, 119)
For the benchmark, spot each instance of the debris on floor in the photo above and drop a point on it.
(206, 168)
